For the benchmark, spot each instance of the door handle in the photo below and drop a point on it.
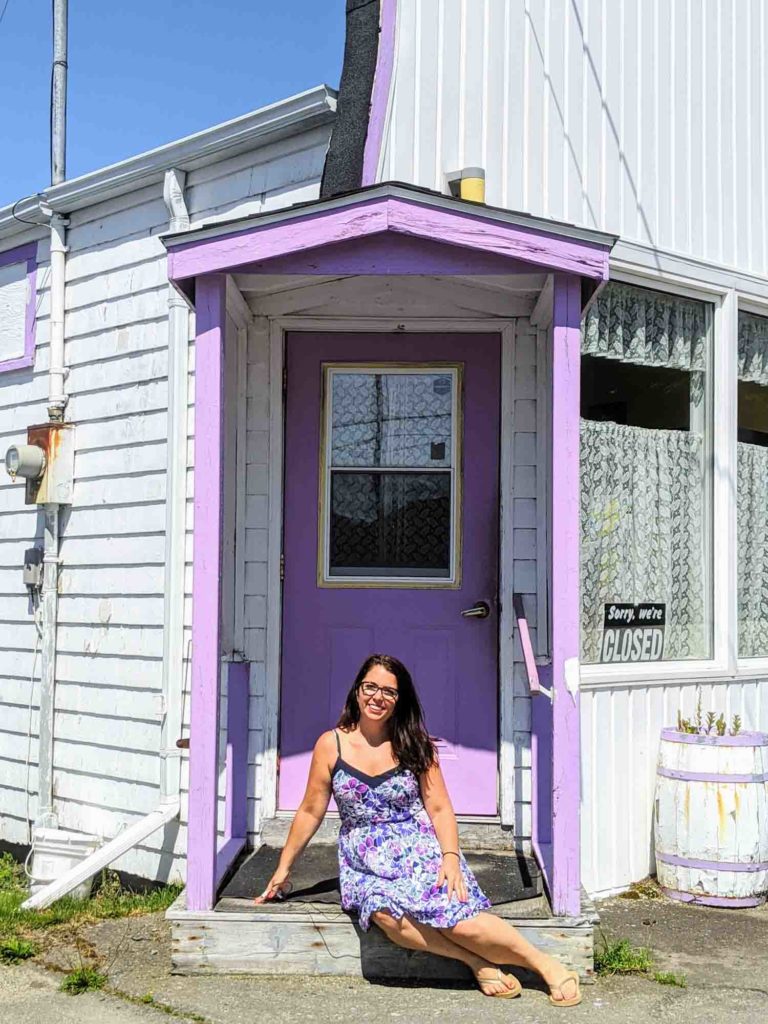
(479, 610)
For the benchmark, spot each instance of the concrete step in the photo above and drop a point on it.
(477, 834)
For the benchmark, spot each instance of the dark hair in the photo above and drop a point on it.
(411, 743)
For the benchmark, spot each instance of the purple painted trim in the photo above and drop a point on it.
(385, 62)
(326, 226)
(742, 739)
(714, 901)
(206, 593)
(566, 741)
(674, 773)
(226, 856)
(712, 865)
(524, 633)
(24, 254)
(236, 813)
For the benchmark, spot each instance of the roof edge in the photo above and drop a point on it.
(303, 111)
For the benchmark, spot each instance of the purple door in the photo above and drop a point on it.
(390, 538)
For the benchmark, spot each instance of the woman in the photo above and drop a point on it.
(399, 859)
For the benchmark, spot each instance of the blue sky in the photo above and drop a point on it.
(145, 72)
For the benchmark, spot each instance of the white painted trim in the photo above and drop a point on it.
(723, 365)
(506, 580)
(541, 317)
(268, 781)
(241, 471)
(237, 307)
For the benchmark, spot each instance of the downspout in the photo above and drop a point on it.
(175, 508)
(173, 636)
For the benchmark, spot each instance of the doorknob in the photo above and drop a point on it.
(480, 610)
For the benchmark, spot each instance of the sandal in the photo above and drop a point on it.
(574, 1000)
(512, 987)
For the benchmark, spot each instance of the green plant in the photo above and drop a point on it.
(621, 957)
(13, 950)
(11, 874)
(713, 723)
(668, 978)
(83, 979)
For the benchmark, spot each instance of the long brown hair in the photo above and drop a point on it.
(411, 743)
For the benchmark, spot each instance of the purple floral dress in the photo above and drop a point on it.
(389, 856)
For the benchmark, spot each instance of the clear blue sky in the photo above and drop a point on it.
(145, 72)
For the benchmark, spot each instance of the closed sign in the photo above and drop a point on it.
(633, 632)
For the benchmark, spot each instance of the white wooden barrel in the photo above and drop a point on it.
(711, 818)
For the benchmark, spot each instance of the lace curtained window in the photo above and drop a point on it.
(752, 486)
(645, 484)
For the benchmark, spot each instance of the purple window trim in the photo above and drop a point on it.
(24, 254)
(714, 901)
(674, 773)
(742, 739)
(711, 865)
(382, 82)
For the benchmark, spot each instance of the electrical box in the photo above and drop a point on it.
(33, 567)
(56, 484)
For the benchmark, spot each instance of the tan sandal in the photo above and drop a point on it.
(574, 1000)
(512, 987)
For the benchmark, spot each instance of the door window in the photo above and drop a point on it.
(390, 453)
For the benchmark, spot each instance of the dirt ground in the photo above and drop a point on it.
(723, 955)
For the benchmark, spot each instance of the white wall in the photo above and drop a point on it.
(645, 118)
(109, 664)
(620, 744)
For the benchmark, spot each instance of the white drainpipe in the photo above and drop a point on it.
(173, 636)
(175, 507)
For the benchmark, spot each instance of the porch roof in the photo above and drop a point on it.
(309, 237)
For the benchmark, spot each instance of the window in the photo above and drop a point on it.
(390, 454)
(17, 307)
(752, 486)
(645, 458)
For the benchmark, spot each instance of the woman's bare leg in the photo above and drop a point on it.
(412, 935)
(496, 940)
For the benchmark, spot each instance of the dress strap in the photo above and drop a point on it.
(338, 745)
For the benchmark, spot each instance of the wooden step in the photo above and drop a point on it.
(477, 834)
(239, 937)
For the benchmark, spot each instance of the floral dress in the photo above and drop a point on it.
(389, 856)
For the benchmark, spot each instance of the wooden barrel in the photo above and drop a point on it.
(711, 818)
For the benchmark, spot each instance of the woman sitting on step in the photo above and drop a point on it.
(399, 860)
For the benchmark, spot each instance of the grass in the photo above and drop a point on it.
(13, 950)
(621, 957)
(171, 1011)
(83, 979)
(111, 900)
(668, 978)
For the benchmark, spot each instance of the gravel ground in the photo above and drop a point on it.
(724, 955)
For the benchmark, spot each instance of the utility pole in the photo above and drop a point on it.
(59, 94)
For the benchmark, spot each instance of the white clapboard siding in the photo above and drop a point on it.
(643, 119)
(109, 664)
(620, 745)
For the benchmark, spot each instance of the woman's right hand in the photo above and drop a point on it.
(277, 888)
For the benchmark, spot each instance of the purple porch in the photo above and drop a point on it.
(375, 256)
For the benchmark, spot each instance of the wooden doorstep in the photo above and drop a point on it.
(312, 938)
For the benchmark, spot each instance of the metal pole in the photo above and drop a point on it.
(59, 94)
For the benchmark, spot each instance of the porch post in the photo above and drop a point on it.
(566, 747)
(210, 307)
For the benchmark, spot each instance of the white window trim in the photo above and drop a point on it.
(723, 366)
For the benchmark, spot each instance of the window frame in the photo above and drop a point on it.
(24, 254)
(324, 579)
(721, 448)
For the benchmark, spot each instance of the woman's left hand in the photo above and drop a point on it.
(450, 875)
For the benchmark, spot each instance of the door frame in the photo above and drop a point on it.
(277, 327)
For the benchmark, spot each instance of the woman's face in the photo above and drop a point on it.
(378, 705)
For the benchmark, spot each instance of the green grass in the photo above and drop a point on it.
(171, 1011)
(13, 950)
(83, 979)
(621, 957)
(668, 978)
(111, 900)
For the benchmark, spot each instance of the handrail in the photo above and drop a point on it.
(531, 668)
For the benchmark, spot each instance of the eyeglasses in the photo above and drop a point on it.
(371, 689)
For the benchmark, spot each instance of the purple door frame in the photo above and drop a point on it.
(307, 241)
